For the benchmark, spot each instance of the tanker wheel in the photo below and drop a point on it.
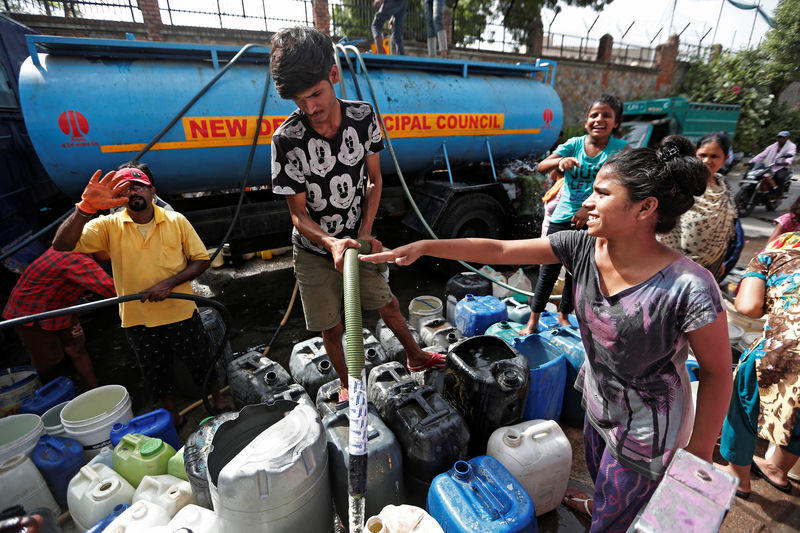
(469, 215)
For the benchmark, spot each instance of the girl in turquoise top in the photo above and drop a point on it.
(579, 159)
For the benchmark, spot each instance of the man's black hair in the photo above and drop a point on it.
(300, 58)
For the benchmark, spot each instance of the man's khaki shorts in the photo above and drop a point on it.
(322, 289)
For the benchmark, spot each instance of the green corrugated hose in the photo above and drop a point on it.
(357, 471)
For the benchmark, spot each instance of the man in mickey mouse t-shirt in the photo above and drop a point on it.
(325, 161)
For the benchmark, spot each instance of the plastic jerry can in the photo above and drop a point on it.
(328, 398)
(167, 491)
(476, 313)
(215, 331)
(137, 456)
(310, 366)
(156, 423)
(254, 375)
(487, 381)
(462, 284)
(23, 485)
(101, 525)
(278, 481)
(391, 345)
(506, 330)
(58, 391)
(105, 456)
(384, 462)
(549, 319)
(94, 492)
(403, 519)
(520, 280)
(548, 376)
(497, 291)
(517, 311)
(480, 495)
(568, 341)
(436, 331)
(387, 382)
(293, 392)
(141, 516)
(539, 456)
(195, 519)
(58, 459)
(374, 354)
(195, 456)
(432, 435)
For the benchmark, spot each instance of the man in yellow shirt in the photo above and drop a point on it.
(155, 252)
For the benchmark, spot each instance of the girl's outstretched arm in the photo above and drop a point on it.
(487, 251)
(712, 348)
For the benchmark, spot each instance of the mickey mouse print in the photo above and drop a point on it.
(330, 172)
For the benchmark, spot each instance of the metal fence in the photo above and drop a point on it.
(349, 18)
(121, 10)
(255, 15)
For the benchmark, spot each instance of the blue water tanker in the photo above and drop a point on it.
(92, 103)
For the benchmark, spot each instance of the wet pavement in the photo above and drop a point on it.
(257, 294)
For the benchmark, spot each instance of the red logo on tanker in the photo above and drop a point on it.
(75, 125)
(548, 117)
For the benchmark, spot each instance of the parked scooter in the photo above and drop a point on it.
(755, 189)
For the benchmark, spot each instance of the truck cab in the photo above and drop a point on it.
(646, 122)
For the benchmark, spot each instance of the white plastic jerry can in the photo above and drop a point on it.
(539, 455)
(403, 519)
(94, 492)
(142, 516)
(166, 491)
(194, 518)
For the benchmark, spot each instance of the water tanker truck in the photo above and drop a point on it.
(88, 103)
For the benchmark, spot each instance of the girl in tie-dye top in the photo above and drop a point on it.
(640, 306)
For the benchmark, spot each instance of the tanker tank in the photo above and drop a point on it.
(92, 104)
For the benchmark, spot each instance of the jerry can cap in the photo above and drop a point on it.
(151, 447)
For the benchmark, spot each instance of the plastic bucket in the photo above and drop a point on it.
(51, 419)
(421, 307)
(89, 418)
(19, 434)
(16, 384)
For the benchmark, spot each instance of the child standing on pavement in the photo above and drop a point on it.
(640, 305)
(579, 159)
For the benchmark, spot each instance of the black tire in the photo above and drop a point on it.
(469, 215)
(743, 201)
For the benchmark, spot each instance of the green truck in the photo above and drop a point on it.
(646, 122)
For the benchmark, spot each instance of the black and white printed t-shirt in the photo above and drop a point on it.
(332, 172)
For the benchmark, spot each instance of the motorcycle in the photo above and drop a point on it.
(755, 189)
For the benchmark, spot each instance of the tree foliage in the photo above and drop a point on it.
(753, 78)
(520, 17)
